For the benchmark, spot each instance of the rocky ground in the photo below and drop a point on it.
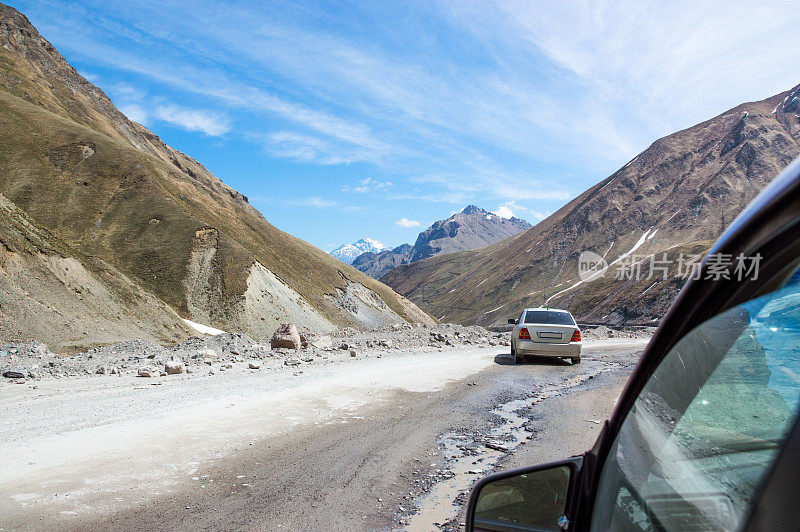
(210, 355)
(396, 434)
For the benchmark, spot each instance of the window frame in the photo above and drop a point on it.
(672, 391)
(769, 226)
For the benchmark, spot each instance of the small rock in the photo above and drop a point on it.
(254, 365)
(497, 446)
(14, 374)
(292, 362)
(352, 352)
(209, 356)
(148, 372)
(322, 342)
(101, 370)
(174, 366)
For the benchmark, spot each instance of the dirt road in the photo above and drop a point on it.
(365, 444)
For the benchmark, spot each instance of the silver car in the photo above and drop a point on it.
(545, 332)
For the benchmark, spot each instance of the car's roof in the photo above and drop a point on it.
(545, 308)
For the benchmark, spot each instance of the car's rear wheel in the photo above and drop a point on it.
(514, 353)
(576, 360)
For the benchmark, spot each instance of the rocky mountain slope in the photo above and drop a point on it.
(676, 197)
(150, 225)
(469, 229)
(348, 252)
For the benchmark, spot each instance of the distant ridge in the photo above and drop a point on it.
(471, 228)
(348, 252)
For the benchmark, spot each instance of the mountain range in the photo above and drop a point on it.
(348, 252)
(674, 198)
(107, 233)
(471, 228)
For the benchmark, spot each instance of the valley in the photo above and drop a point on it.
(174, 357)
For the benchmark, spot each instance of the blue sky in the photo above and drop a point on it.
(341, 121)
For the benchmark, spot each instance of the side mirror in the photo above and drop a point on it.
(512, 321)
(532, 498)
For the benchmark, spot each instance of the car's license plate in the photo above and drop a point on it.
(550, 335)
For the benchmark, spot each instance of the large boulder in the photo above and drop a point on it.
(287, 337)
(174, 366)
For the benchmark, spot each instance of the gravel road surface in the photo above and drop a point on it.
(387, 442)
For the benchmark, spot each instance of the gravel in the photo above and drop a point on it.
(205, 355)
(209, 355)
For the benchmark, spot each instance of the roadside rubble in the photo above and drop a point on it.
(210, 355)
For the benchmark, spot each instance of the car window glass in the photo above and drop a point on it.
(708, 423)
(549, 317)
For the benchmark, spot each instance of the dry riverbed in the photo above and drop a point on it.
(390, 438)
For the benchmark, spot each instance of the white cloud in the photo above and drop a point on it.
(575, 84)
(368, 185)
(405, 222)
(503, 211)
(134, 112)
(127, 92)
(313, 201)
(644, 69)
(510, 209)
(213, 124)
(312, 149)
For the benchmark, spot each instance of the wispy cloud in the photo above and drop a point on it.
(367, 185)
(489, 102)
(313, 201)
(313, 149)
(510, 209)
(210, 123)
(134, 112)
(405, 222)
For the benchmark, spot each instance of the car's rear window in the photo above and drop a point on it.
(550, 317)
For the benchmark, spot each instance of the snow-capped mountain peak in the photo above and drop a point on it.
(348, 252)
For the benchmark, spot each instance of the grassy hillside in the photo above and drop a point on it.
(679, 194)
(109, 188)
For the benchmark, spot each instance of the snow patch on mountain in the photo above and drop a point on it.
(348, 252)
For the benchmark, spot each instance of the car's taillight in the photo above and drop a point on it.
(576, 336)
(524, 334)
